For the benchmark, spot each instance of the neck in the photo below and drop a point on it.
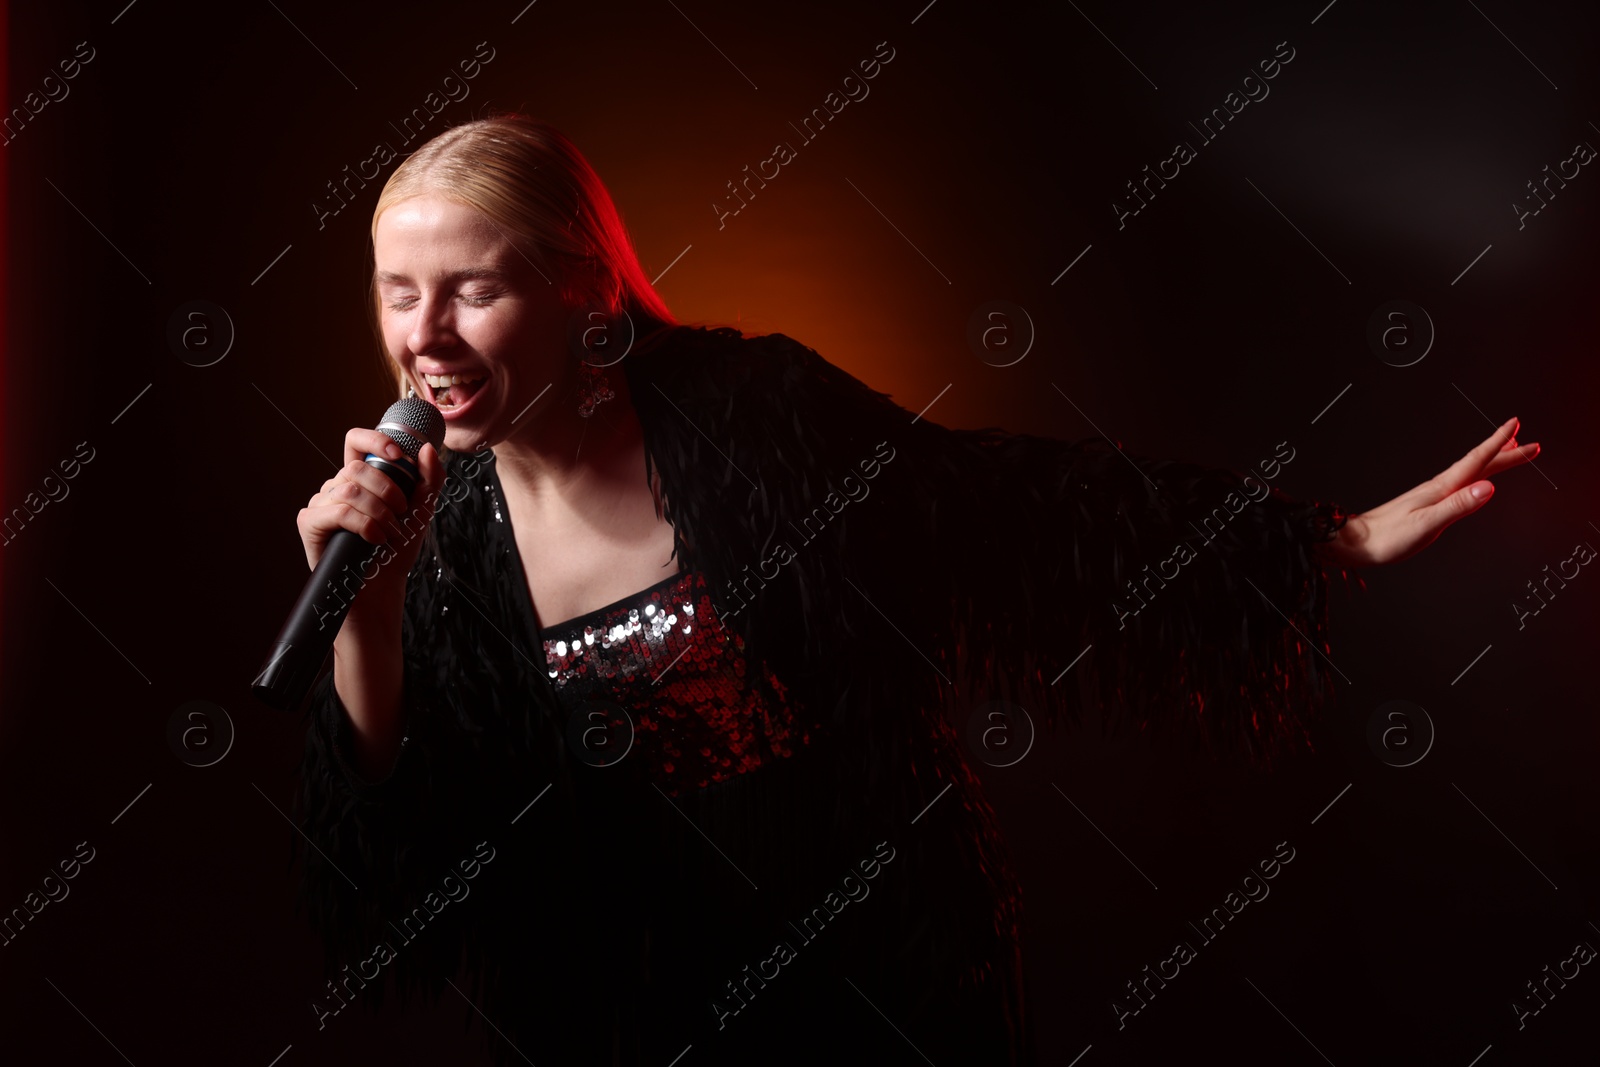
(560, 453)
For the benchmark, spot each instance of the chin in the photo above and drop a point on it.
(463, 441)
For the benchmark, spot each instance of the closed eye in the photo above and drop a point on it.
(474, 301)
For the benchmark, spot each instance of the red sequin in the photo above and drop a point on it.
(664, 656)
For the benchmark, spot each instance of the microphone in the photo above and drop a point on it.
(303, 644)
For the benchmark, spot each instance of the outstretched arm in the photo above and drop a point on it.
(1064, 575)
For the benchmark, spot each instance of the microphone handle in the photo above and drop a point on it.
(302, 646)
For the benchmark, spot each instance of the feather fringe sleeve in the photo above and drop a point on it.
(374, 846)
(1180, 596)
(1171, 594)
(380, 852)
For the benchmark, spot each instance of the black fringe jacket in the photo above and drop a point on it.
(889, 570)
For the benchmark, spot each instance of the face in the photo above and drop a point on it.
(459, 303)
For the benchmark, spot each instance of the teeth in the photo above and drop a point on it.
(439, 381)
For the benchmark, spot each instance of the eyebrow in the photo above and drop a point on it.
(494, 271)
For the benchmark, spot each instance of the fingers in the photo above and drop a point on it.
(1470, 467)
(433, 473)
(352, 506)
(359, 442)
(347, 515)
(1510, 457)
(1430, 522)
(433, 478)
(360, 498)
(1460, 504)
(318, 521)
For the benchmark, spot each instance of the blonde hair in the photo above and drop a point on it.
(528, 179)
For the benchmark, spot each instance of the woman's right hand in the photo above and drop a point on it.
(364, 500)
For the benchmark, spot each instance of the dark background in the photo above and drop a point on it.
(1214, 325)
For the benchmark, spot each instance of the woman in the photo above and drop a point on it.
(648, 739)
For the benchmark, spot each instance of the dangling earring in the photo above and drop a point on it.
(594, 388)
(411, 392)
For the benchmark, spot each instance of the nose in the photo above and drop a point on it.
(432, 325)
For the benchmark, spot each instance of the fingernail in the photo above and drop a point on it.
(392, 450)
(1481, 491)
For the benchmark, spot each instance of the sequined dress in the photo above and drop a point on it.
(658, 671)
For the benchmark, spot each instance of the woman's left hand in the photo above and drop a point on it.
(1412, 521)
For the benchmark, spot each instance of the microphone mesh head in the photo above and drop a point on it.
(411, 423)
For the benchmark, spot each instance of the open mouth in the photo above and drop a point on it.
(450, 391)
